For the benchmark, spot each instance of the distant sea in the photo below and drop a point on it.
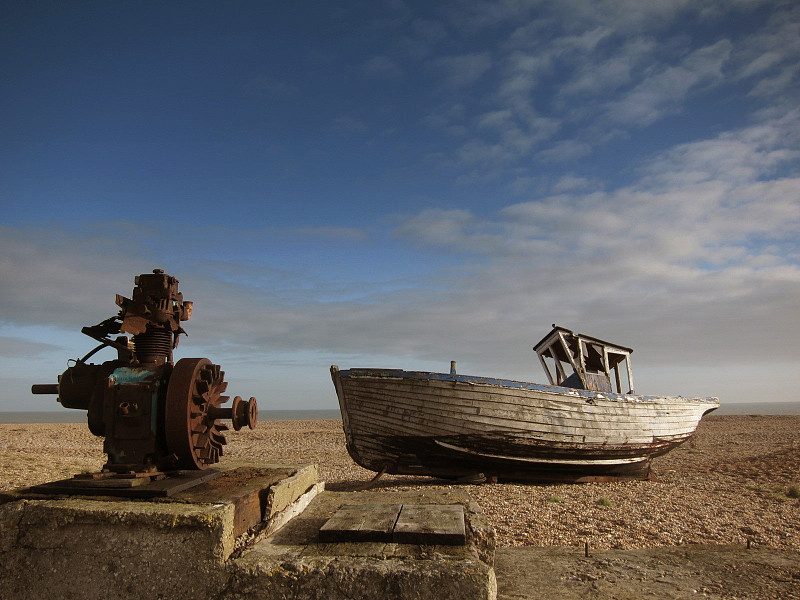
(79, 416)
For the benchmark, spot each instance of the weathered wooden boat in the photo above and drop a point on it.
(579, 427)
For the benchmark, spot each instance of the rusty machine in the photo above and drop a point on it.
(157, 418)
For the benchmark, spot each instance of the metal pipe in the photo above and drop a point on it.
(44, 388)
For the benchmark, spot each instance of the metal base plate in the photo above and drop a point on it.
(127, 487)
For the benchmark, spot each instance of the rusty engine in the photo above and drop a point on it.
(155, 416)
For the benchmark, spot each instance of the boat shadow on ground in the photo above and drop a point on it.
(357, 485)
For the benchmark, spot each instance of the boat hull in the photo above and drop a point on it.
(460, 426)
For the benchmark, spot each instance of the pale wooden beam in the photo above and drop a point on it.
(546, 369)
(630, 373)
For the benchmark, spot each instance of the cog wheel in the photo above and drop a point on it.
(193, 411)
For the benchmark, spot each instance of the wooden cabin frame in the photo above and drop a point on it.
(591, 360)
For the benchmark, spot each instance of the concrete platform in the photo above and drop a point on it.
(292, 563)
(179, 547)
(251, 533)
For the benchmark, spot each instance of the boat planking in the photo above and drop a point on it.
(579, 427)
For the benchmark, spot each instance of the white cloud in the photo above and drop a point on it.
(595, 78)
(685, 267)
(382, 66)
(448, 118)
(459, 71)
(572, 183)
(338, 234)
(761, 63)
(737, 156)
(15, 347)
(770, 56)
(624, 14)
(510, 135)
(774, 86)
(565, 150)
(521, 73)
(598, 70)
(349, 124)
(572, 15)
(682, 269)
(443, 229)
(49, 275)
(666, 90)
(421, 42)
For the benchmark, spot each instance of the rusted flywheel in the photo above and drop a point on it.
(194, 409)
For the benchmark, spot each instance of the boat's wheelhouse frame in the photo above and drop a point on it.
(591, 360)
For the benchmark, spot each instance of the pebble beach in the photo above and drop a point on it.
(736, 480)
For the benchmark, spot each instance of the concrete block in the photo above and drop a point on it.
(290, 488)
(90, 549)
(100, 547)
(346, 577)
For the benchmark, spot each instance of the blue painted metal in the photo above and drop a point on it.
(122, 375)
(140, 375)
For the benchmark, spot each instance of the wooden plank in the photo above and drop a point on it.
(514, 403)
(376, 425)
(430, 524)
(541, 418)
(399, 523)
(361, 523)
(379, 426)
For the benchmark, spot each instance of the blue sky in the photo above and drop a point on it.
(401, 184)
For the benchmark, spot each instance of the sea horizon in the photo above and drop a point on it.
(79, 416)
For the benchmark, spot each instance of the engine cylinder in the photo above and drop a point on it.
(153, 347)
